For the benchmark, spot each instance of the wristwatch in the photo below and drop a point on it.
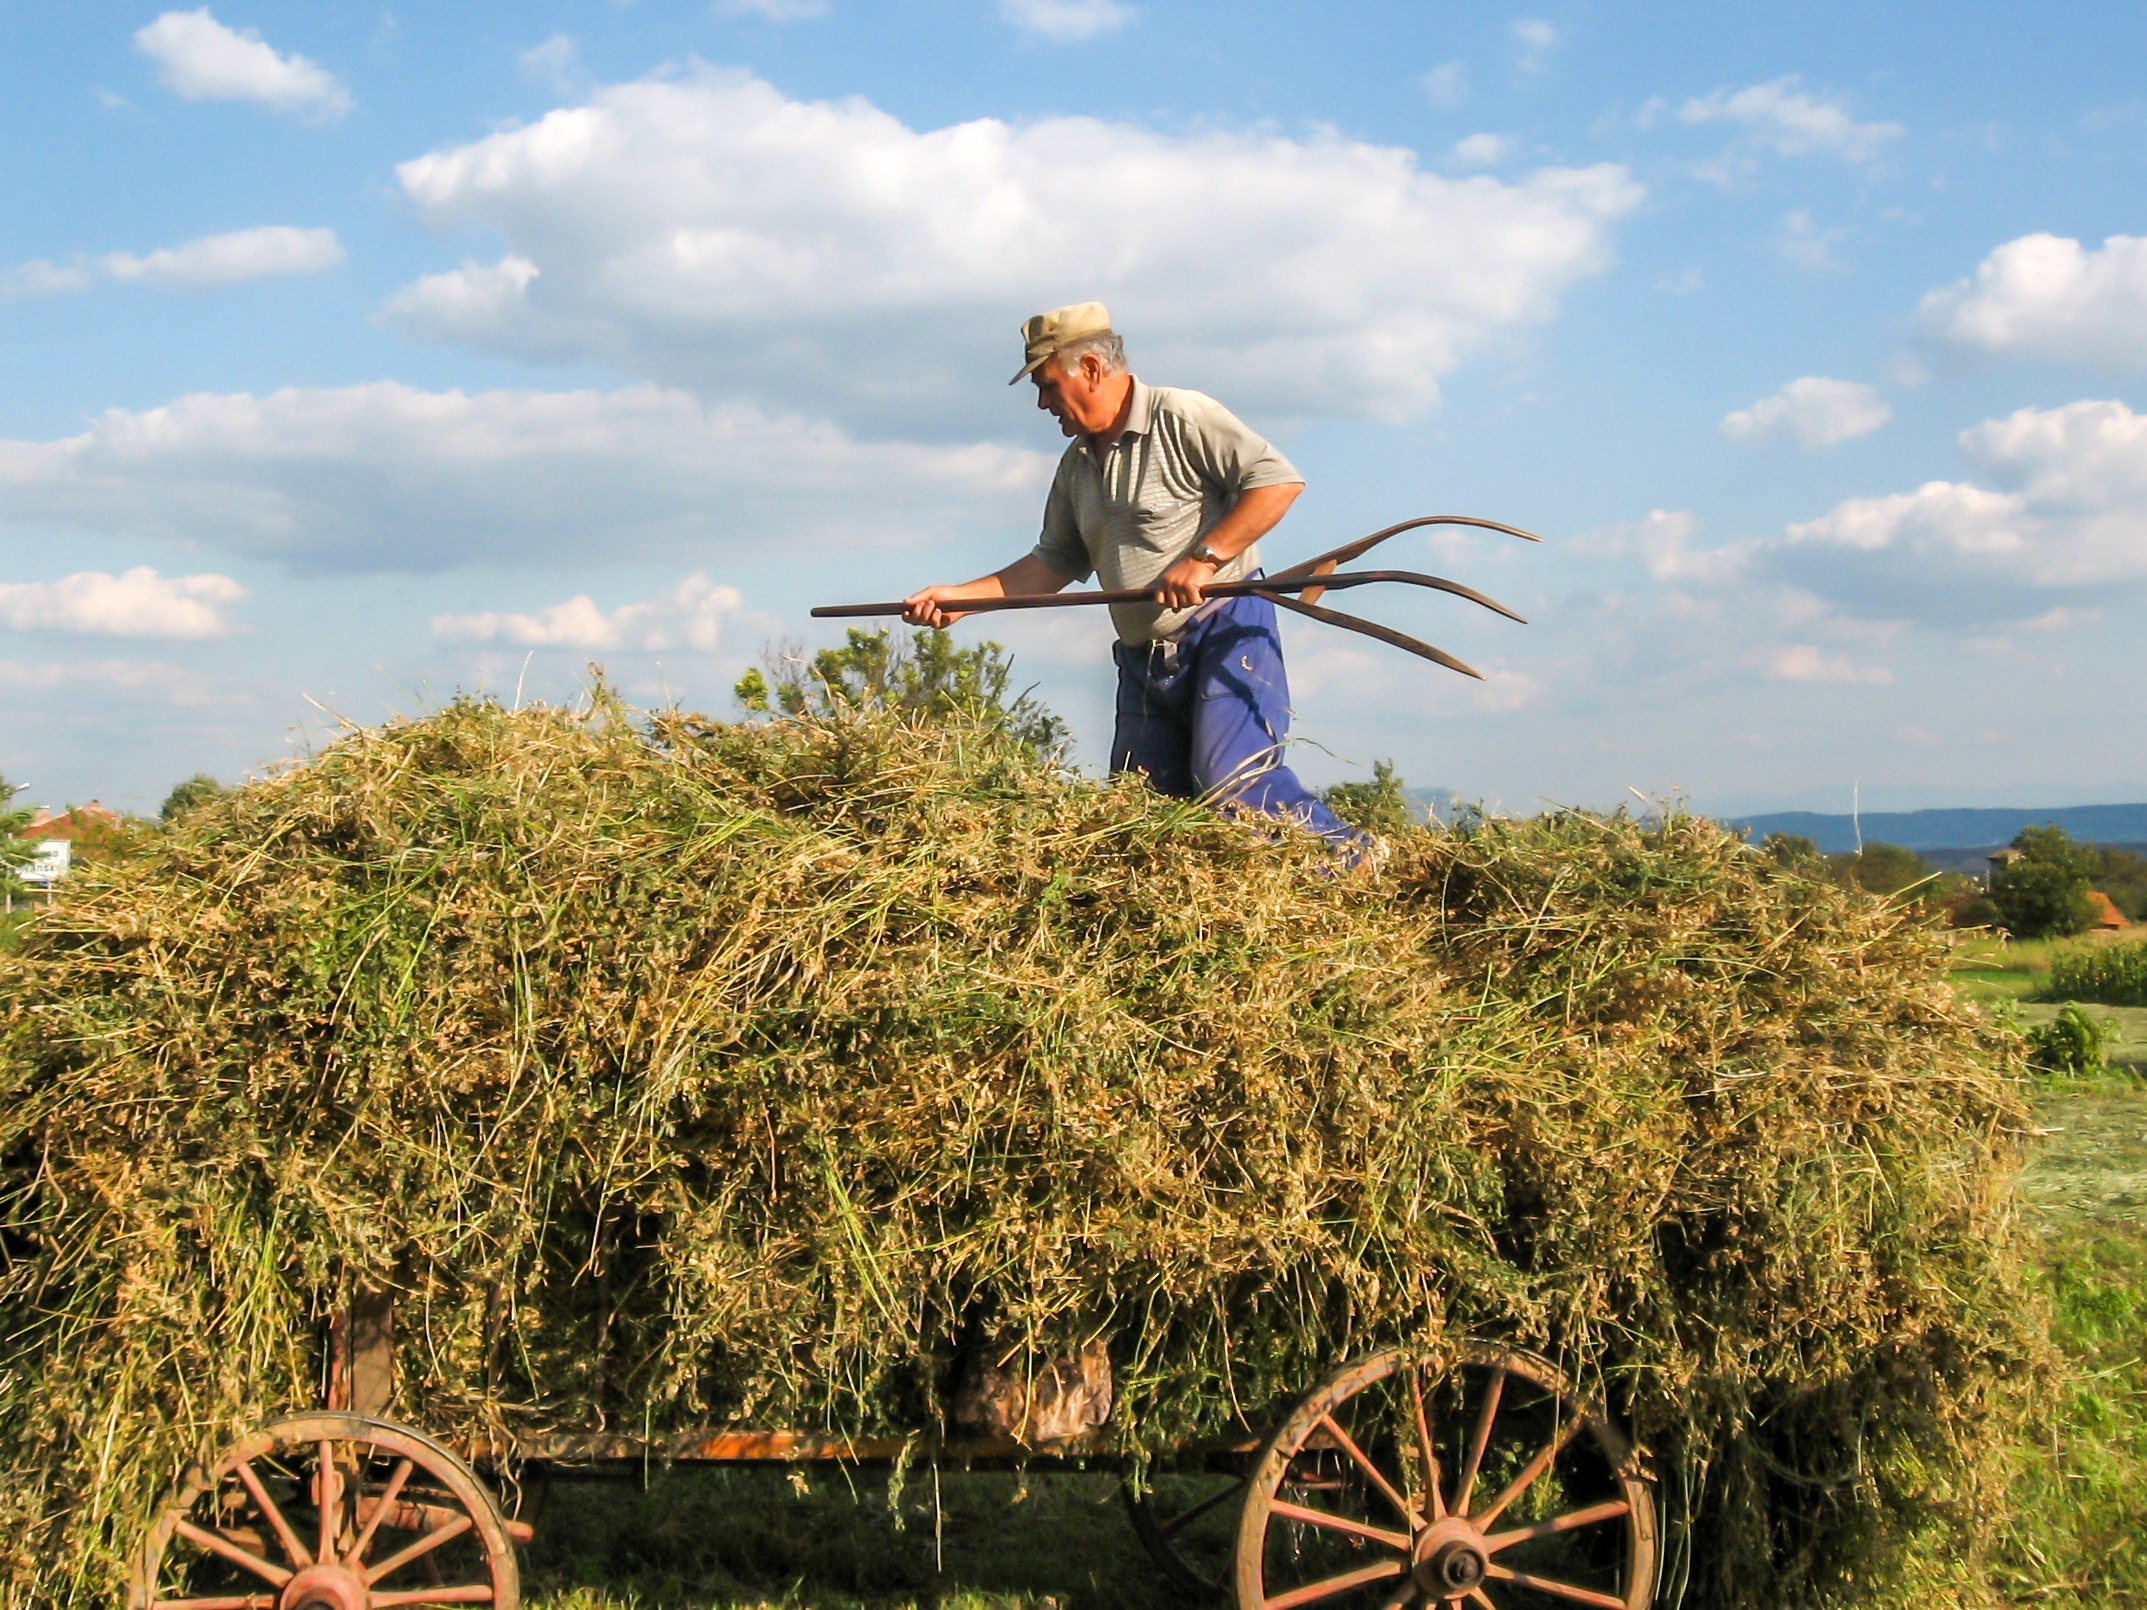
(1207, 555)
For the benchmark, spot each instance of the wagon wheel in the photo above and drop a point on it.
(1187, 1521)
(1478, 1479)
(327, 1512)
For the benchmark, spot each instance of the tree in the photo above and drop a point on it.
(1883, 869)
(1379, 806)
(196, 791)
(1796, 852)
(2043, 894)
(16, 852)
(927, 676)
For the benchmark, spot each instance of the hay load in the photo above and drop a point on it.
(677, 1073)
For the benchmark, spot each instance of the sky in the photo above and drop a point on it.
(357, 357)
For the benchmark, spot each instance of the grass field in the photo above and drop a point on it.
(816, 1540)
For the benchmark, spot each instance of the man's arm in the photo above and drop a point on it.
(1257, 511)
(1028, 574)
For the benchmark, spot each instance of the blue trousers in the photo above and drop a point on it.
(1206, 714)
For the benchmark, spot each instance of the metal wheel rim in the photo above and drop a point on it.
(422, 1454)
(1393, 1579)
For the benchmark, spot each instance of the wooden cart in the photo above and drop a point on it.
(1467, 1474)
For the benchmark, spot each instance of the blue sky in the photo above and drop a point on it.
(360, 355)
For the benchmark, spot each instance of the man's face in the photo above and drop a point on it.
(1073, 397)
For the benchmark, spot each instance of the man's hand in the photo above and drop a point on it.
(928, 606)
(1184, 585)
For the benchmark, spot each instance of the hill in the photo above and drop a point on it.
(1950, 829)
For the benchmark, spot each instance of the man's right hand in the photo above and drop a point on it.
(927, 606)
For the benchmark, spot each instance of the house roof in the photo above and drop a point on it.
(66, 824)
(2106, 913)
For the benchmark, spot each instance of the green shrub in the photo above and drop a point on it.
(2071, 1045)
(2044, 894)
(1379, 806)
(2110, 975)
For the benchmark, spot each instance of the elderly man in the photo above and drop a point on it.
(1165, 490)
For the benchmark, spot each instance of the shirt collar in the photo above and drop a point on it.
(1141, 412)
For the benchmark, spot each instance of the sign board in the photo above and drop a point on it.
(54, 856)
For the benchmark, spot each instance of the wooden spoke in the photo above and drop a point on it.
(1484, 1416)
(248, 1601)
(1483, 1599)
(388, 1495)
(327, 1481)
(294, 1550)
(1529, 1472)
(473, 1593)
(1562, 1590)
(1171, 1528)
(1402, 1506)
(231, 1551)
(1425, 1450)
(423, 1546)
(1563, 1523)
(1313, 1592)
(1335, 1523)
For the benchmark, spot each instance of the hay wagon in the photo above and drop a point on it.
(1468, 1473)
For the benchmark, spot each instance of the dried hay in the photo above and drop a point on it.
(680, 1073)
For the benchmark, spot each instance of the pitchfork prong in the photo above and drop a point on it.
(1385, 634)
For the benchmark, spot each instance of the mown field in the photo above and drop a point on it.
(818, 1540)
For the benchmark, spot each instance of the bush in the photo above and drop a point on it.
(2043, 895)
(2109, 975)
(2071, 1045)
(1379, 806)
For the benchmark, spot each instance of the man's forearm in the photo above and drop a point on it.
(1256, 513)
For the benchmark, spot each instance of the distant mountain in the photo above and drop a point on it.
(1953, 829)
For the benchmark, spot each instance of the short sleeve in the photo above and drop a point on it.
(1229, 453)
(1060, 546)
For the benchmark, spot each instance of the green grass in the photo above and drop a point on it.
(2115, 975)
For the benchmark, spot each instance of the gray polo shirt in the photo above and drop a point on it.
(1176, 469)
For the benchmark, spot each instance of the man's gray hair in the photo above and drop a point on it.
(1109, 348)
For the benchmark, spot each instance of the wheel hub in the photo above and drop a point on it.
(325, 1587)
(1450, 1559)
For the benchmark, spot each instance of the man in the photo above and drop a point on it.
(1165, 490)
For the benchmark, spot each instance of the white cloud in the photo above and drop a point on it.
(244, 254)
(1446, 86)
(1807, 662)
(1809, 246)
(135, 603)
(1483, 150)
(389, 477)
(1781, 118)
(555, 60)
(2064, 522)
(1663, 544)
(1814, 411)
(2045, 297)
(1537, 40)
(1064, 21)
(214, 260)
(774, 10)
(141, 681)
(202, 60)
(691, 616)
(705, 230)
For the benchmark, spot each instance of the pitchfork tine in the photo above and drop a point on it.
(1385, 634)
(1350, 550)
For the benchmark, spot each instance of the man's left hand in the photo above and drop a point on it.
(1184, 585)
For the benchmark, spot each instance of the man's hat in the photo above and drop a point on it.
(1061, 327)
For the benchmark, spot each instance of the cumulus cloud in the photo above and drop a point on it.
(135, 603)
(245, 254)
(202, 60)
(554, 60)
(2064, 522)
(1446, 86)
(1537, 40)
(1483, 150)
(691, 616)
(706, 231)
(1807, 662)
(1782, 118)
(1813, 411)
(1064, 21)
(389, 477)
(2046, 297)
(1663, 544)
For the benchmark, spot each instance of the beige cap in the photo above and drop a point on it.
(1061, 327)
